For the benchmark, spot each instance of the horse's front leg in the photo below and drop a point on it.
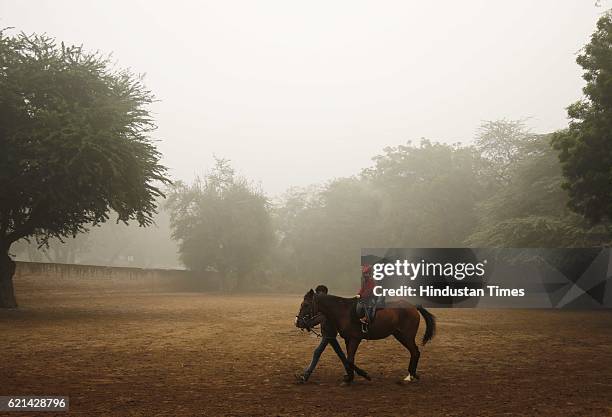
(351, 349)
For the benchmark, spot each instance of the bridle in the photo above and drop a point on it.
(309, 316)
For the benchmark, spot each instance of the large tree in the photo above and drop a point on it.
(585, 148)
(222, 222)
(74, 145)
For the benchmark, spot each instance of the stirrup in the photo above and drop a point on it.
(364, 327)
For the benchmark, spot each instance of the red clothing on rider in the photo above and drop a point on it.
(367, 282)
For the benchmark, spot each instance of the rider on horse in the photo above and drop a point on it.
(367, 299)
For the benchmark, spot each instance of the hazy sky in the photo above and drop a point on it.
(296, 92)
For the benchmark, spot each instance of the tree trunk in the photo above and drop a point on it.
(7, 270)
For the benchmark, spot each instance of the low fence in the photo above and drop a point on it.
(65, 277)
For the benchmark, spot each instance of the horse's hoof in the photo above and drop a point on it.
(410, 378)
(300, 379)
(347, 379)
(364, 375)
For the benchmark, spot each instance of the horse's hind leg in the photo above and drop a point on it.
(409, 343)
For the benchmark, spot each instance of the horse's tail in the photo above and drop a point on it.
(430, 321)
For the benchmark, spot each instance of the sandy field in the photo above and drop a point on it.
(150, 354)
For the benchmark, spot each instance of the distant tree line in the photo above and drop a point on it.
(110, 244)
(505, 190)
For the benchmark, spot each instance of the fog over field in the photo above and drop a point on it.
(296, 133)
(296, 93)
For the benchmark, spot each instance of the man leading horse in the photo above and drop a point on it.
(328, 337)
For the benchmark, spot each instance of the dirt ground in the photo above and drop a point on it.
(166, 354)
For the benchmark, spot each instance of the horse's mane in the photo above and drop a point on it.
(335, 299)
(334, 307)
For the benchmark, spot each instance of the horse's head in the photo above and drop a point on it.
(306, 311)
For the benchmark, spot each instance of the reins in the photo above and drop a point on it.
(315, 332)
(314, 312)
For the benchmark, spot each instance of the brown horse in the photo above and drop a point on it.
(400, 319)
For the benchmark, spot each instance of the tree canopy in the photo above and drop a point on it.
(531, 209)
(585, 148)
